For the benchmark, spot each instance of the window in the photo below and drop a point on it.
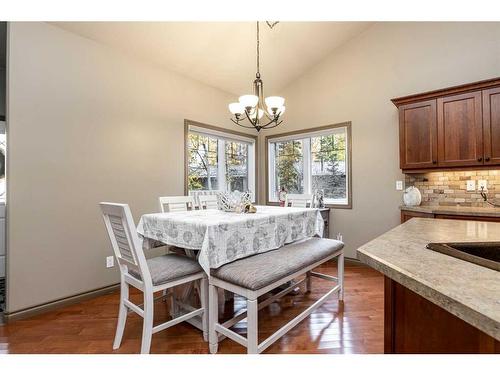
(308, 161)
(219, 160)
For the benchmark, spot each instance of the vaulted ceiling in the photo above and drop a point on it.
(223, 54)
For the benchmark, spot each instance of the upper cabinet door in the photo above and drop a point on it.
(418, 135)
(491, 126)
(460, 130)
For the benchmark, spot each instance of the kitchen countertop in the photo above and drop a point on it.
(454, 210)
(466, 290)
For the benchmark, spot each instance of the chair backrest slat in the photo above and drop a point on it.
(124, 240)
(196, 194)
(175, 204)
(208, 202)
(299, 200)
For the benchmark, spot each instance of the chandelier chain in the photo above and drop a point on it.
(258, 50)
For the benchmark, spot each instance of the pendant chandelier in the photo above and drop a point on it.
(253, 111)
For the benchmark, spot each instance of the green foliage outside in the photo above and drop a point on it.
(289, 156)
(325, 150)
(202, 158)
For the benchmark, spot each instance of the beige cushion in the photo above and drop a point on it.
(169, 267)
(258, 271)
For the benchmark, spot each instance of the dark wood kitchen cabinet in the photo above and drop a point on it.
(413, 324)
(491, 126)
(407, 215)
(460, 130)
(418, 135)
(457, 127)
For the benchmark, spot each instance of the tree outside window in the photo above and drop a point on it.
(289, 170)
(202, 162)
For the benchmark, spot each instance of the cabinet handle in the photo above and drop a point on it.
(487, 158)
(479, 159)
(434, 162)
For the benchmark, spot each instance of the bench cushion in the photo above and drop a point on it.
(258, 271)
(169, 267)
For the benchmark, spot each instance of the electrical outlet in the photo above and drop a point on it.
(399, 185)
(482, 185)
(110, 261)
(339, 237)
(471, 185)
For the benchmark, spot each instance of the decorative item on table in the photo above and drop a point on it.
(235, 201)
(250, 208)
(282, 196)
(412, 196)
(319, 198)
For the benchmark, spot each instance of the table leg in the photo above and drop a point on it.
(184, 299)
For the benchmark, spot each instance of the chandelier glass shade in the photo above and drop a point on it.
(253, 111)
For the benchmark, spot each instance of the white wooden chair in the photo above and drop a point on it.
(176, 203)
(208, 202)
(149, 276)
(299, 200)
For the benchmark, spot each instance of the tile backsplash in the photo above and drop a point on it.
(450, 189)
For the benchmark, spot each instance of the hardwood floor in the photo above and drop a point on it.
(89, 327)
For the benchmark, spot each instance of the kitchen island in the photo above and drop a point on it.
(435, 303)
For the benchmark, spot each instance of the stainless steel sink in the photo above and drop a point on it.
(486, 254)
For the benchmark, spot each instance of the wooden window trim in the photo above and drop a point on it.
(348, 126)
(187, 123)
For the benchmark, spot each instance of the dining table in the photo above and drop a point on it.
(216, 237)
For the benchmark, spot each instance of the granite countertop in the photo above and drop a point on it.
(469, 291)
(455, 210)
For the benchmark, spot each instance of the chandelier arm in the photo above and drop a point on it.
(269, 116)
(270, 127)
(243, 126)
(256, 117)
(269, 123)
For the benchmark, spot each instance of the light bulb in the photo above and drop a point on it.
(249, 100)
(236, 108)
(275, 101)
(276, 112)
(260, 112)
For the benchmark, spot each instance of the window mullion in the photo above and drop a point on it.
(306, 151)
(221, 164)
(272, 172)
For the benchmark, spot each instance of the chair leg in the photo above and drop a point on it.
(252, 327)
(340, 270)
(308, 282)
(122, 315)
(204, 305)
(147, 325)
(213, 317)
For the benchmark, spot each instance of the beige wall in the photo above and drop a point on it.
(86, 125)
(356, 84)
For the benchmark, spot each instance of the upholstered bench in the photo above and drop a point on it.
(256, 275)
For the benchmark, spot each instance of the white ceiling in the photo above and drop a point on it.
(223, 54)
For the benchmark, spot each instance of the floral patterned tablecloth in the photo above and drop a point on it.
(223, 237)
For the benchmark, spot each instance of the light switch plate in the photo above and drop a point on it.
(471, 185)
(110, 261)
(482, 185)
(399, 185)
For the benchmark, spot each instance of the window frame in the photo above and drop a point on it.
(310, 133)
(213, 130)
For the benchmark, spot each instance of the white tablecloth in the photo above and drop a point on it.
(223, 237)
